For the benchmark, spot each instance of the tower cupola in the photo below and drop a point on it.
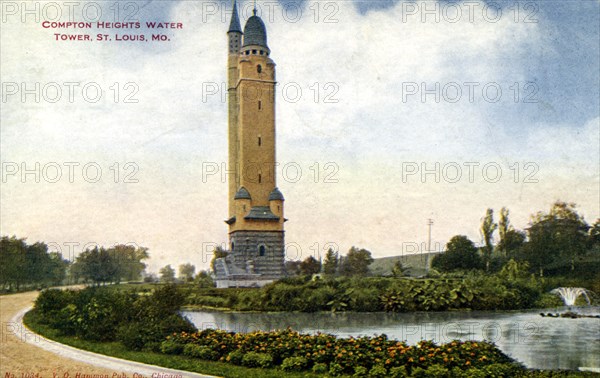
(255, 37)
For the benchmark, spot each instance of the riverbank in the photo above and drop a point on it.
(255, 354)
(229, 370)
(537, 342)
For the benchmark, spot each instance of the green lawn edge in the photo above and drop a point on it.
(116, 349)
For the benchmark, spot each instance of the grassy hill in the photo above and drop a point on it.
(416, 262)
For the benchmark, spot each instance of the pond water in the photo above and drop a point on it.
(538, 342)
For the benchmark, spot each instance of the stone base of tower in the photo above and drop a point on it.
(256, 258)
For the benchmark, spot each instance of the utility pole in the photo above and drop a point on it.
(427, 260)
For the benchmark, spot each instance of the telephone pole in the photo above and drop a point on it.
(427, 265)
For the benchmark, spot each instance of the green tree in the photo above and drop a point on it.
(115, 264)
(399, 270)
(129, 261)
(487, 231)
(513, 270)
(356, 262)
(594, 235)
(512, 242)
(56, 268)
(331, 262)
(167, 274)
(310, 266)
(13, 266)
(504, 227)
(204, 279)
(218, 253)
(292, 267)
(557, 236)
(97, 265)
(461, 254)
(186, 272)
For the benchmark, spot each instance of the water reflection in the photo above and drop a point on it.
(543, 343)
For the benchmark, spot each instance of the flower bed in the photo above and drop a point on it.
(372, 356)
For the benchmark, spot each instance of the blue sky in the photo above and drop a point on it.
(364, 61)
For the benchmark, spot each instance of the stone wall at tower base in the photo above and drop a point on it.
(225, 283)
(256, 259)
(259, 252)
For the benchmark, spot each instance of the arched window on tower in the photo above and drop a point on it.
(259, 178)
(259, 105)
(262, 250)
(259, 141)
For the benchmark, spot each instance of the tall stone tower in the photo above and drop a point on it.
(256, 235)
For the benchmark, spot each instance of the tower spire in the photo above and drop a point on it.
(234, 25)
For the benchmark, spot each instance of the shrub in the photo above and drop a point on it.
(365, 300)
(171, 347)
(259, 360)
(132, 336)
(201, 352)
(398, 372)
(52, 301)
(101, 314)
(360, 371)
(419, 372)
(378, 371)
(235, 357)
(473, 373)
(165, 300)
(437, 371)
(319, 368)
(294, 364)
(547, 300)
(336, 370)
(501, 370)
(137, 334)
(298, 352)
(66, 320)
(208, 301)
(152, 346)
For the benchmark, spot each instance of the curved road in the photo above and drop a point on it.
(24, 354)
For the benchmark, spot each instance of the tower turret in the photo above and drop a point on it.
(234, 36)
(235, 31)
(276, 203)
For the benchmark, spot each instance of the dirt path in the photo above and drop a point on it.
(26, 355)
